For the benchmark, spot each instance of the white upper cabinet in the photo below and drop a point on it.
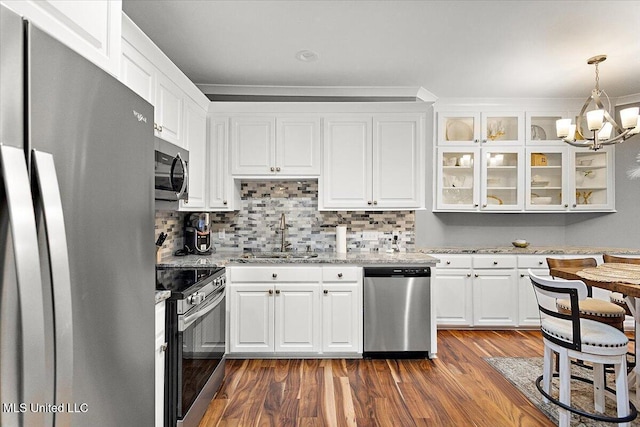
(138, 73)
(223, 190)
(281, 146)
(196, 141)
(169, 119)
(372, 163)
(485, 128)
(91, 28)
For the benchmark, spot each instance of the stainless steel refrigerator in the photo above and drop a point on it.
(76, 239)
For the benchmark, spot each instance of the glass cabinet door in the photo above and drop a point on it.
(541, 128)
(502, 175)
(457, 186)
(546, 178)
(502, 128)
(593, 179)
(458, 128)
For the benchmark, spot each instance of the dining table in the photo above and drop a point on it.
(614, 277)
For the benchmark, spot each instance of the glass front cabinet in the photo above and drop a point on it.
(487, 162)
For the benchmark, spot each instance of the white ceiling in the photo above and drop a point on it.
(509, 48)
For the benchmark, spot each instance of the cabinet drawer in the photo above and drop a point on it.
(341, 274)
(275, 274)
(533, 261)
(490, 261)
(453, 261)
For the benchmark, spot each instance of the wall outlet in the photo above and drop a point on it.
(370, 235)
(221, 234)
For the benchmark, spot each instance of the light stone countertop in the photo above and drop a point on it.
(531, 250)
(162, 295)
(222, 259)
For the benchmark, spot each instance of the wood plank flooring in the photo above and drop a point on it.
(457, 389)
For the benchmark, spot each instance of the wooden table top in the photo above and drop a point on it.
(569, 273)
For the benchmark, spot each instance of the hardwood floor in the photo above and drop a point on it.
(457, 389)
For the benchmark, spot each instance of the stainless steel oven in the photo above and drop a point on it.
(171, 171)
(195, 326)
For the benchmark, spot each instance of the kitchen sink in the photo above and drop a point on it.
(280, 255)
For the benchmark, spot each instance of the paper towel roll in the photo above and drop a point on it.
(341, 239)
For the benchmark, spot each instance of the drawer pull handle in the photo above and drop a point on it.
(326, 292)
(495, 262)
(448, 262)
(523, 275)
(340, 275)
(539, 262)
(274, 275)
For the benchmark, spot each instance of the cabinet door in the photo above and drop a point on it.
(169, 111)
(452, 297)
(502, 128)
(91, 28)
(458, 181)
(159, 364)
(298, 146)
(397, 154)
(458, 128)
(252, 145)
(297, 309)
(347, 177)
(251, 323)
(540, 128)
(341, 312)
(546, 178)
(221, 187)
(502, 178)
(495, 300)
(195, 120)
(591, 184)
(528, 312)
(138, 73)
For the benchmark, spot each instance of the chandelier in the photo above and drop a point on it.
(598, 121)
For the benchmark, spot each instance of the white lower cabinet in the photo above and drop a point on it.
(293, 310)
(452, 290)
(495, 297)
(160, 350)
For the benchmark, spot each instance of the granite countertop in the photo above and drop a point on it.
(162, 295)
(531, 250)
(222, 259)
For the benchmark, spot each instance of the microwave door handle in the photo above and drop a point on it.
(205, 309)
(15, 193)
(185, 180)
(56, 238)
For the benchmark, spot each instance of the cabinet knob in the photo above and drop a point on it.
(484, 205)
(375, 202)
(325, 292)
(224, 202)
(369, 202)
(278, 169)
(476, 140)
(468, 274)
(566, 205)
(340, 275)
(186, 201)
(155, 126)
(495, 262)
(272, 169)
(484, 141)
(277, 291)
(475, 205)
(475, 275)
(274, 275)
(539, 262)
(270, 291)
(574, 205)
(448, 262)
(523, 275)
(159, 128)
(163, 347)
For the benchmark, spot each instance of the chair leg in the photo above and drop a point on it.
(547, 371)
(622, 390)
(564, 416)
(598, 387)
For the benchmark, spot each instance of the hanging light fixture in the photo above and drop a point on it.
(599, 121)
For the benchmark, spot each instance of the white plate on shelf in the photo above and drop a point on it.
(457, 130)
(537, 133)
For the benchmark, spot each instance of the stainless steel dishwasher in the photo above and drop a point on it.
(397, 312)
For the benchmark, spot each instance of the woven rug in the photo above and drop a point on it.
(522, 373)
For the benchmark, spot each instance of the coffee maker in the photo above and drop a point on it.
(197, 234)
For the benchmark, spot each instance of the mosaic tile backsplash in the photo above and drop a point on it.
(256, 226)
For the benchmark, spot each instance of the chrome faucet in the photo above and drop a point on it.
(283, 228)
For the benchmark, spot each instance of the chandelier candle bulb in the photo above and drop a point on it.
(562, 127)
(605, 132)
(571, 133)
(629, 117)
(595, 119)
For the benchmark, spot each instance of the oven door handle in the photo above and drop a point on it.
(187, 320)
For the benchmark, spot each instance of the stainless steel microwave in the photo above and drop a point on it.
(172, 171)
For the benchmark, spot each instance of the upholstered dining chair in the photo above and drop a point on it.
(590, 308)
(573, 337)
(616, 297)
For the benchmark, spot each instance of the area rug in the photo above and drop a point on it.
(522, 373)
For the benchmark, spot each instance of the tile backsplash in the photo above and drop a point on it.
(256, 225)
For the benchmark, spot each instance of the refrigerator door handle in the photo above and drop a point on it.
(185, 179)
(22, 226)
(50, 204)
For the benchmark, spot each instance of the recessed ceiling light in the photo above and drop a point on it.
(307, 56)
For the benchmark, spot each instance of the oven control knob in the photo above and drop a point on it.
(196, 298)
